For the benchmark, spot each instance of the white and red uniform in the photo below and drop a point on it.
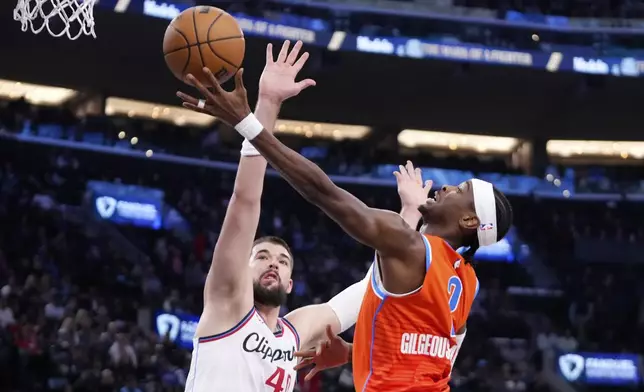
(247, 358)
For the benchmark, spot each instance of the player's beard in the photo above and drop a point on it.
(274, 296)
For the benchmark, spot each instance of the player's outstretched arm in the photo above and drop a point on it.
(400, 246)
(385, 231)
(382, 230)
(228, 279)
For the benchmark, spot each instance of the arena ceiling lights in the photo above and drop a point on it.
(35, 94)
(321, 130)
(595, 148)
(180, 116)
(412, 138)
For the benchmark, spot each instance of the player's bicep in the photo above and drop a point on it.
(310, 323)
(382, 230)
(340, 312)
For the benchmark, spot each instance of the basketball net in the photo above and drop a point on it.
(60, 17)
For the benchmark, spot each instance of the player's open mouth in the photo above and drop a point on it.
(270, 276)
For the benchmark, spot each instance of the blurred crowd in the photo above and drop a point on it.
(76, 310)
(69, 306)
(78, 296)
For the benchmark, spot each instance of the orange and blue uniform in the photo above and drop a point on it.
(407, 342)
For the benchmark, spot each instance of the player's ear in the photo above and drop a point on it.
(290, 286)
(469, 221)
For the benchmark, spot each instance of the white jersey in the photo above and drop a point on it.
(247, 358)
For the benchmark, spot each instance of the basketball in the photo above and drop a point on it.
(200, 37)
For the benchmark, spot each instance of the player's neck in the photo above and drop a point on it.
(270, 314)
(452, 239)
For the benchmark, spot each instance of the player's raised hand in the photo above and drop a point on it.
(230, 106)
(413, 192)
(277, 82)
(328, 354)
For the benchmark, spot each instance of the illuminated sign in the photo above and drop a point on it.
(162, 10)
(127, 204)
(599, 368)
(590, 66)
(178, 328)
(374, 45)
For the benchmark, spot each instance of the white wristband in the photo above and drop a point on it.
(249, 127)
(248, 150)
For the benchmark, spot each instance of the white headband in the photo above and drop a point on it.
(485, 207)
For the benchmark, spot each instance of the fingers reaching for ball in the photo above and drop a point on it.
(229, 106)
(202, 89)
(239, 81)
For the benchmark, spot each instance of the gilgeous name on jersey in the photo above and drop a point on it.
(427, 344)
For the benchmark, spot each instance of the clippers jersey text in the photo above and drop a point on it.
(248, 357)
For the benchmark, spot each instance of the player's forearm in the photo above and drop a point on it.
(266, 112)
(303, 175)
(310, 323)
(249, 183)
(410, 215)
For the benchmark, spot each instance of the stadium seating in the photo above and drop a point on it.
(82, 269)
(70, 291)
(78, 294)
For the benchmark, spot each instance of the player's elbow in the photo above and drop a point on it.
(245, 199)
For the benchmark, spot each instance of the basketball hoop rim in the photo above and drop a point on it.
(76, 13)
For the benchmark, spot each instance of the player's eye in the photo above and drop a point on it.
(284, 262)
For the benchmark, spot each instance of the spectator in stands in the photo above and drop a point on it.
(580, 313)
(122, 353)
(6, 314)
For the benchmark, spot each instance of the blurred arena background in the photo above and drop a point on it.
(541, 97)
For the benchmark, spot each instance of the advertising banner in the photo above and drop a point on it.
(127, 204)
(599, 368)
(178, 327)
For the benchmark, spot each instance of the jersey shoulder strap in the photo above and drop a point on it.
(438, 250)
(292, 330)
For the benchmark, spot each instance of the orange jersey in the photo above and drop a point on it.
(407, 342)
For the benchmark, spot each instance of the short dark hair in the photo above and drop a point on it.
(504, 218)
(271, 239)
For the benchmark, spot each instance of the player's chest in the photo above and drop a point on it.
(271, 356)
(263, 346)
